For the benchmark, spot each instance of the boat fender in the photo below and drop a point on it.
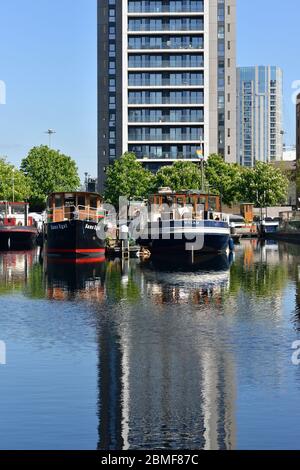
(143, 253)
(231, 244)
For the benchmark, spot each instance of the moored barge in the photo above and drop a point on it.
(185, 221)
(71, 230)
(17, 228)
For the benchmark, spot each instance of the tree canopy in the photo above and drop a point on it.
(264, 185)
(49, 171)
(128, 178)
(225, 178)
(181, 175)
(44, 171)
(13, 183)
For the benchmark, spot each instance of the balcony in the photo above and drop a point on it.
(180, 7)
(164, 138)
(165, 82)
(167, 156)
(158, 102)
(166, 120)
(142, 29)
(166, 47)
(165, 64)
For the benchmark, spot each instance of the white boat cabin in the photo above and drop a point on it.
(15, 214)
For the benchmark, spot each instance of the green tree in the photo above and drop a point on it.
(181, 175)
(49, 171)
(264, 185)
(225, 178)
(128, 178)
(13, 183)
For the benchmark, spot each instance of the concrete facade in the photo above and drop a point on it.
(166, 80)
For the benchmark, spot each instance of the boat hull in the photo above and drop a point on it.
(14, 238)
(196, 236)
(74, 239)
(268, 230)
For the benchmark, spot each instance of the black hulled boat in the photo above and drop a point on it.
(71, 230)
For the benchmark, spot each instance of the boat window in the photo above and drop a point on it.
(201, 201)
(58, 201)
(3, 209)
(167, 200)
(212, 202)
(93, 202)
(180, 201)
(18, 209)
(70, 202)
(81, 201)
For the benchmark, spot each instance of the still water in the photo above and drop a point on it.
(151, 355)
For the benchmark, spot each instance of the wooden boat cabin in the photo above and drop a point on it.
(74, 206)
(198, 205)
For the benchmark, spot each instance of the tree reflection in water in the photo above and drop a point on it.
(166, 375)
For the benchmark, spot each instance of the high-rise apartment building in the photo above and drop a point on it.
(259, 114)
(166, 80)
(298, 150)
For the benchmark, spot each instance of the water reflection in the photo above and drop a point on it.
(180, 281)
(164, 394)
(160, 385)
(20, 271)
(74, 282)
(173, 338)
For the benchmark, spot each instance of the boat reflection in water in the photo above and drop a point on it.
(16, 268)
(204, 279)
(73, 281)
(162, 377)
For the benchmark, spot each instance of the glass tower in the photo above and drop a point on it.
(260, 136)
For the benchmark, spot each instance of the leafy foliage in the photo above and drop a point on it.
(264, 185)
(13, 183)
(181, 175)
(128, 178)
(225, 178)
(49, 171)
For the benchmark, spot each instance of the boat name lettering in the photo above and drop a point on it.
(59, 227)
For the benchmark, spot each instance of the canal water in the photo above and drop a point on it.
(157, 354)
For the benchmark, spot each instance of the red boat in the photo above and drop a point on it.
(17, 229)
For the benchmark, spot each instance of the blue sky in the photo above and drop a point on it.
(48, 62)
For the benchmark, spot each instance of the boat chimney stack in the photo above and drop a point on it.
(26, 214)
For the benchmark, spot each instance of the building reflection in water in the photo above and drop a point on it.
(159, 380)
(166, 376)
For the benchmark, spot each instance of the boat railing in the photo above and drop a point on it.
(180, 214)
(79, 212)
